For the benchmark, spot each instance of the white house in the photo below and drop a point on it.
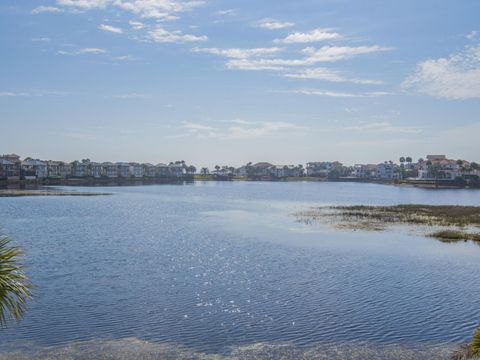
(123, 169)
(110, 170)
(136, 170)
(386, 171)
(35, 168)
(149, 170)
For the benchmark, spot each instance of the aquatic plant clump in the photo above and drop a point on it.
(377, 218)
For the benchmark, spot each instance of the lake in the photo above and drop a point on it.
(214, 267)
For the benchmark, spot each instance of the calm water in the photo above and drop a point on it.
(213, 266)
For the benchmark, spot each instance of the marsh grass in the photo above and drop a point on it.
(378, 218)
(455, 235)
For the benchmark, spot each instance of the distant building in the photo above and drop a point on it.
(386, 171)
(162, 170)
(149, 170)
(97, 170)
(58, 169)
(365, 171)
(80, 169)
(110, 170)
(136, 170)
(322, 169)
(9, 170)
(123, 169)
(34, 169)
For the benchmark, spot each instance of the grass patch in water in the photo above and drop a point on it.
(455, 235)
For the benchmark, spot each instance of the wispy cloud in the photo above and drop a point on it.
(272, 24)
(338, 94)
(384, 127)
(84, 51)
(472, 35)
(136, 25)
(311, 36)
(110, 28)
(227, 12)
(328, 75)
(161, 35)
(159, 9)
(312, 56)
(454, 77)
(46, 9)
(33, 93)
(237, 53)
(242, 129)
(130, 96)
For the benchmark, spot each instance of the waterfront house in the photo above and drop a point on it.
(58, 169)
(9, 170)
(136, 170)
(162, 170)
(281, 171)
(365, 171)
(123, 169)
(110, 170)
(177, 170)
(322, 169)
(261, 169)
(97, 170)
(386, 171)
(438, 167)
(34, 169)
(10, 166)
(149, 170)
(80, 169)
(242, 171)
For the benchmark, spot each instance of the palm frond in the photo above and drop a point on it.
(476, 342)
(15, 288)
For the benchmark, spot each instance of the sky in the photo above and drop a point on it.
(232, 81)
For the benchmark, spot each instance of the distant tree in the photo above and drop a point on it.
(429, 163)
(402, 160)
(474, 166)
(85, 161)
(421, 160)
(217, 167)
(408, 159)
(191, 169)
(15, 288)
(460, 162)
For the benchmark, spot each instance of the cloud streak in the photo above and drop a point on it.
(315, 35)
(272, 24)
(110, 28)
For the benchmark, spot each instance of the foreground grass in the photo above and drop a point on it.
(470, 351)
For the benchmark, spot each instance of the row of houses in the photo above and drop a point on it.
(435, 167)
(12, 168)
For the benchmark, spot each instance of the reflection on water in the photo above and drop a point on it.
(218, 266)
(134, 349)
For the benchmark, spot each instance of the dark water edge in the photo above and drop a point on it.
(132, 348)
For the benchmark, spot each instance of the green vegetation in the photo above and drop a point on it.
(470, 351)
(447, 215)
(377, 218)
(14, 284)
(476, 342)
(455, 235)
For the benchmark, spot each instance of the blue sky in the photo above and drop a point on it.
(227, 82)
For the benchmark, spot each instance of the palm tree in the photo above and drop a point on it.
(476, 342)
(14, 284)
